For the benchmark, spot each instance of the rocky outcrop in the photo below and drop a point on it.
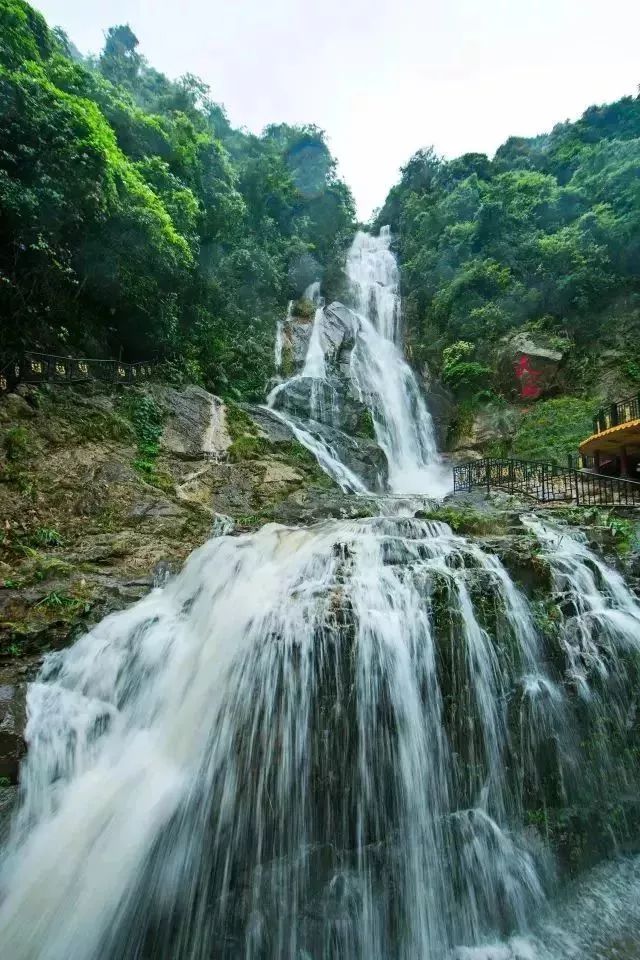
(339, 329)
(528, 366)
(441, 405)
(195, 425)
(492, 427)
(333, 402)
(360, 453)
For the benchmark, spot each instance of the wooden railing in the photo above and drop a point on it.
(546, 482)
(34, 367)
(616, 414)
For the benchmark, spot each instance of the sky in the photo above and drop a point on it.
(384, 77)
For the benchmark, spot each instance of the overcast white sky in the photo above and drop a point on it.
(384, 78)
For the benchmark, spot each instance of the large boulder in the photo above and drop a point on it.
(529, 366)
(339, 329)
(360, 454)
(332, 401)
(196, 424)
(296, 335)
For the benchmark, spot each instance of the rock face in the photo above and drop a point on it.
(528, 367)
(332, 405)
(491, 426)
(339, 329)
(196, 423)
(441, 405)
(333, 402)
(361, 454)
(12, 723)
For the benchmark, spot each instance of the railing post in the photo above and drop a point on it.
(576, 477)
(614, 414)
(487, 475)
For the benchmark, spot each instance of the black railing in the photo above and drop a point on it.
(34, 367)
(616, 414)
(545, 481)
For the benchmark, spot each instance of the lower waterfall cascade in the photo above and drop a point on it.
(343, 741)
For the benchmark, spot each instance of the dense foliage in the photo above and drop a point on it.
(135, 221)
(545, 236)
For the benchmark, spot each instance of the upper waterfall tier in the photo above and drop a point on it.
(349, 375)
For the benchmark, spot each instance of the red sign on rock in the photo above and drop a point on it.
(528, 377)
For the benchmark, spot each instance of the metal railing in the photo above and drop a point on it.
(33, 367)
(545, 481)
(616, 414)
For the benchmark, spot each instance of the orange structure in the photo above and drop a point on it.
(615, 442)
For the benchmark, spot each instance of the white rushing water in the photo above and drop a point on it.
(383, 380)
(332, 743)
(312, 743)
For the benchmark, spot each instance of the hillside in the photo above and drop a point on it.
(136, 222)
(542, 241)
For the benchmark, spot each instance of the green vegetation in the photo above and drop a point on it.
(61, 601)
(17, 443)
(543, 237)
(47, 537)
(553, 429)
(466, 520)
(136, 222)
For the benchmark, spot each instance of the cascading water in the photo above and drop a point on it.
(385, 383)
(329, 743)
(310, 744)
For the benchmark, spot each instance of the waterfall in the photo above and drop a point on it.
(317, 743)
(334, 743)
(382, 379)
(279, 341)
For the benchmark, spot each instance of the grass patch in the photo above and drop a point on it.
(552, 429)
(466, 520)
(64, 602)
(47, 537)
(18, 444)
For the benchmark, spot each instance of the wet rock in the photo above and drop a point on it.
(339, 329)
(269, 424)
(297, 333)
(222, 525)
(310, 506)
(332, 401)
(162, 573)
(12, 724)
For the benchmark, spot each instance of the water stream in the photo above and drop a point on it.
(328, 743)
